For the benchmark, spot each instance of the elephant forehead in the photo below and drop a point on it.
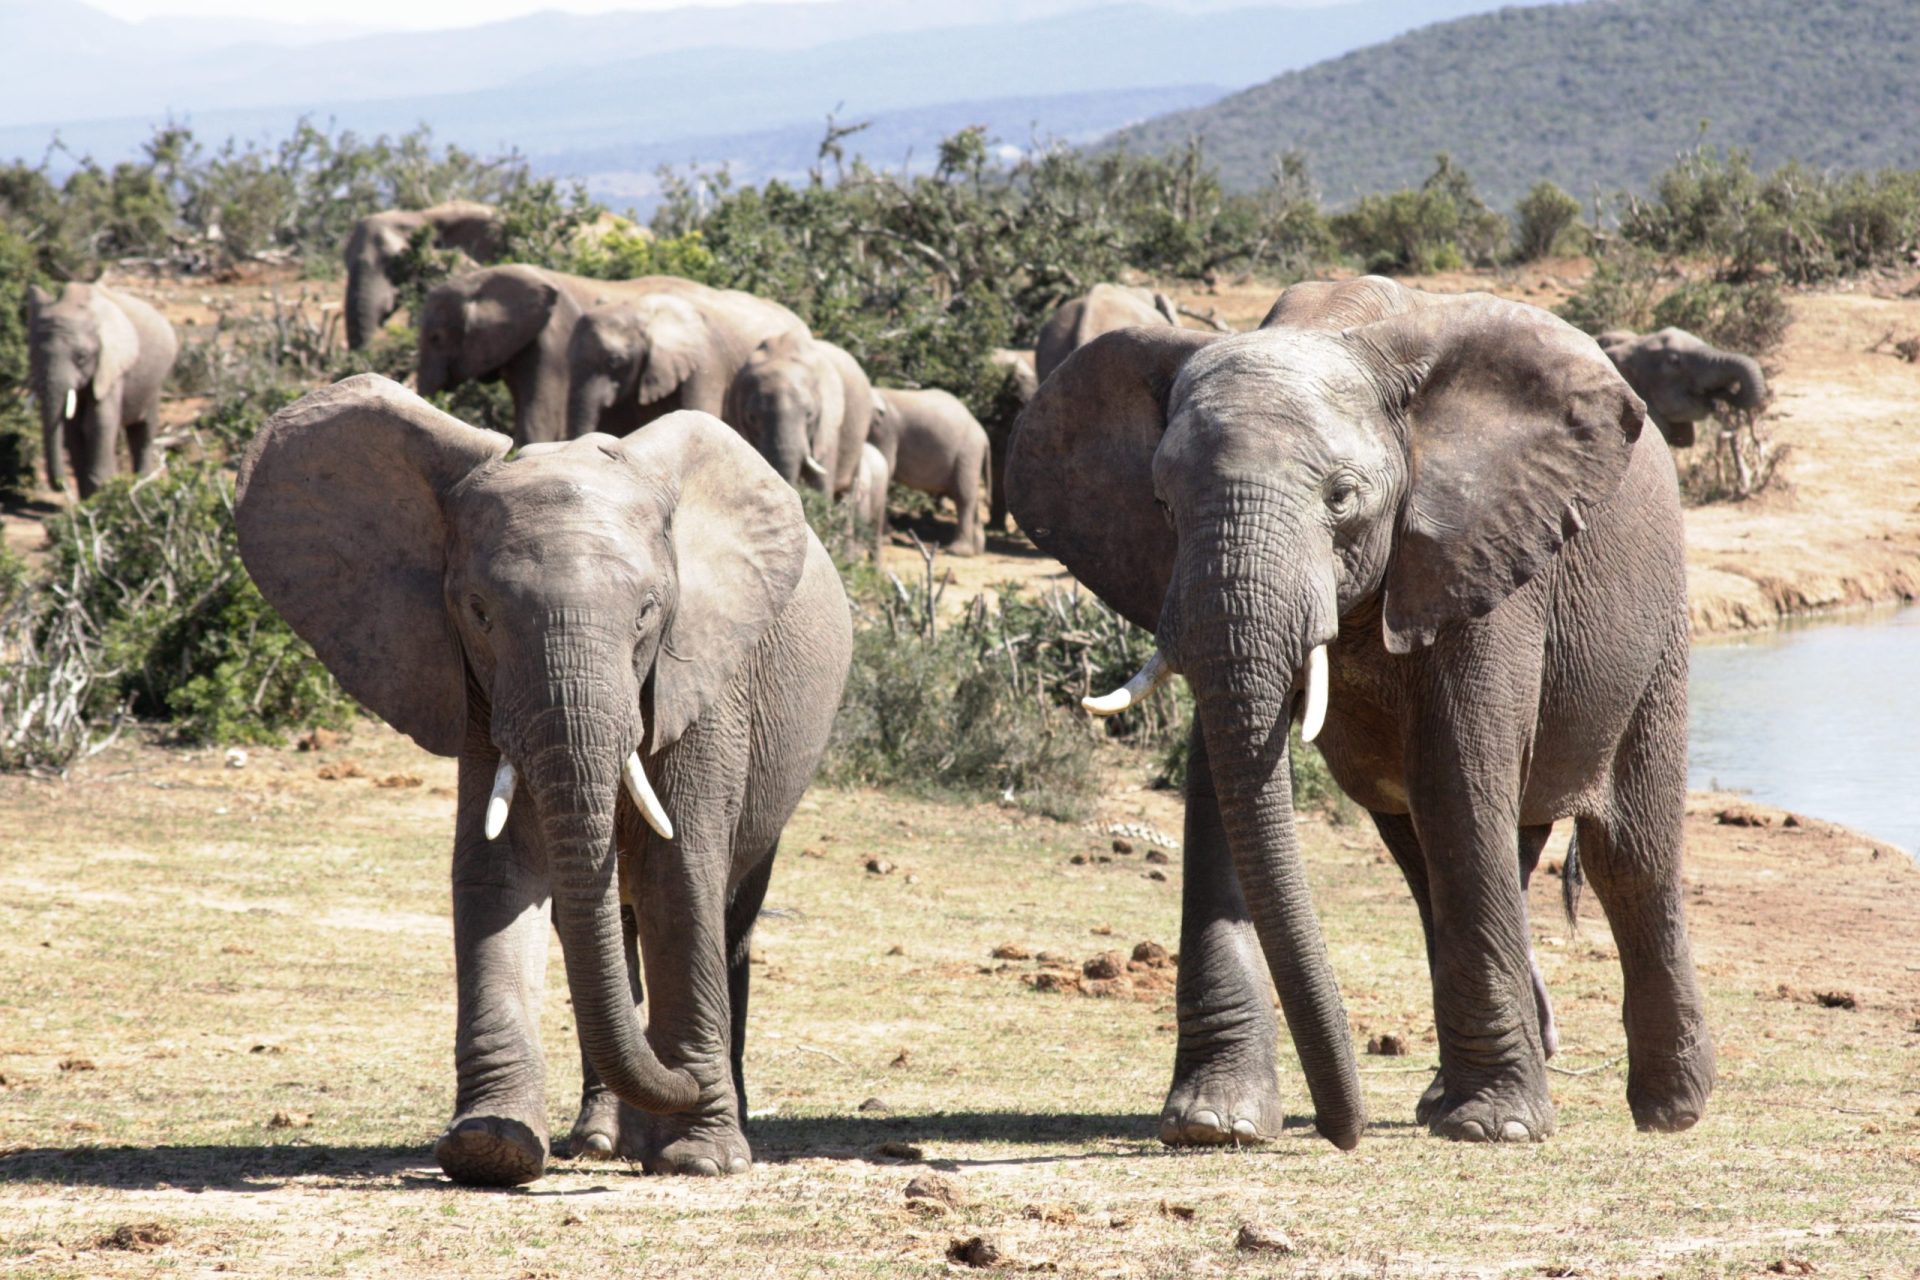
(580, 485)
(1273, 397)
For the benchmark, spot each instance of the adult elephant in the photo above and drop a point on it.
(807, 406)
(97, 359)
(1018, 382)
(930, 441)
(634, 648)
(378, 240)
(677, 346)
(1682, 378)
(1435, 529)
(1104, 308)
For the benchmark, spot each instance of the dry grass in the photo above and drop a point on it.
(224, 945)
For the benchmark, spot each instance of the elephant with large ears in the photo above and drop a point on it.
(379, 240)
(1683, 378)
(1435, 529)
(97, 360)
(635, 649)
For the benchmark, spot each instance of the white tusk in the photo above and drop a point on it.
(1136, 690)
(1316, 715)
(73, 403)
(642, 792)
(501, 798)
(812, 464)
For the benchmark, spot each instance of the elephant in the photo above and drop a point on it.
(1018, 382)
(807, 406)
(634, 648)
(379, 239)
(1105, 307)
(931, 442)
(679, 346)
(1681, 378)
(1435, 529)
(868, 497)
(97, 360)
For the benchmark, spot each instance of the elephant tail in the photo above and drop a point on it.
(1572, 882)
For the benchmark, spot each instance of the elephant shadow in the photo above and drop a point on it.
(216, 1167)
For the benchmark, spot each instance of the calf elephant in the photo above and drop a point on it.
(379, 239)
(868, 497)
(1018, 382)
(680, 346)
(1435, 530)
(807, 406)
(634, 648)
(97, 360)
(931, 442)
(1105, 307)
(1681, 378)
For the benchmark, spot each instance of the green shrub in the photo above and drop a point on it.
(1543, 221)
(1438, 227)
(1750, 318)
(1620, 294)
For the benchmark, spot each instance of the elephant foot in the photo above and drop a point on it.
(1501, 1111)
(491, 1151)
(1431, 1101)
(697, 1145)
(596, 1130)
(960, 549)
(1672, 1095)
(1217, 1108)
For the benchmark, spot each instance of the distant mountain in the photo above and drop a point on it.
(1600, 94)
(751, 84)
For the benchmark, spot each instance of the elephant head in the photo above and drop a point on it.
(1682, 378)
(80, 346)
(559, 616)
(1377, 458)
(788, 401)
(473, 326)
(378, 240)
(638, 352)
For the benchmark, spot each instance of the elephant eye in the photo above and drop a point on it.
(1166, 512)
(1340, 495)
(648, 607)
(480, 613)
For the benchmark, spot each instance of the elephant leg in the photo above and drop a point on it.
(968, 537)
(99, 460)
(1532, 840)
(596, 1129)
(140, 448)
(681, 908)
(1396, 831)
(997, 481)
(741, 914)
(498, 1135)
(1225, 1083)
(1631, 856)
(1464, 792)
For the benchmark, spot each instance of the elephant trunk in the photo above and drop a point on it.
(1737, 380)
(1241, 644)
(572, 770)
(588, 401)
(371, 298)
(60, 394)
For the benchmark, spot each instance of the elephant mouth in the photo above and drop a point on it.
(1308, 694)
(632, 775)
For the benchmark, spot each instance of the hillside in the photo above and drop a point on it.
(1595, 94)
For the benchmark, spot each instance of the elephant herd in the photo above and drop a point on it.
(1432, 530)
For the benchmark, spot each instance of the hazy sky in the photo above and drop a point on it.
(384, 13)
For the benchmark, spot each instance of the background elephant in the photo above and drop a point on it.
(679, 346)
(379, 239)
(930, 442)
(635, 649)
(1105, 307)
(868, 497)
(807, 406)
(97, 359)
(1434, 528)
(1681, 378)
(1018, 382)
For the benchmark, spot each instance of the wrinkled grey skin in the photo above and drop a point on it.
(680, 347)
(1456, 497)
(379, 239)
(1682, 378)
(561, 610)
(930, 442)
(1018, 383)
(807, 406)
(108, 354)
(1105, 308)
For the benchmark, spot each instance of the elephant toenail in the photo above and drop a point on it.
(595, 1146)
(1243, 1131)
(1471, 1131)
(701, 1167)
(1514, 1131)
(739, 1164)
(1204, 1124)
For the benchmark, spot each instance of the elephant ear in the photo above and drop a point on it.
(739, 543)
(1079, 471)
(677, 341)
(339, 515)
(1516, 426)
(505, 308)
(119, 344)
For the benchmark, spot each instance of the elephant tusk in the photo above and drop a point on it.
(501, 798)
(1316, 715)
(642, 792)
(812, 464)
(1136, 690)
(73, 403)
